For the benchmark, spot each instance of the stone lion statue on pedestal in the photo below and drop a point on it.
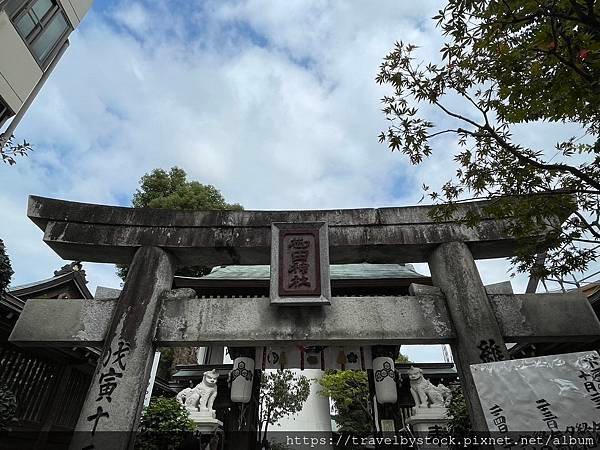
(424, 393)
(201, 397)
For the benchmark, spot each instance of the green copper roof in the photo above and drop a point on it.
(337, 272)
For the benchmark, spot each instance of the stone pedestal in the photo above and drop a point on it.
(428, 422)
(425, 418)
(205, 421)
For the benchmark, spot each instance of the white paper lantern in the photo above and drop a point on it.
(241, 378)
(385, 379)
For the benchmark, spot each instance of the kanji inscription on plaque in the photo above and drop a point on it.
(300, 263)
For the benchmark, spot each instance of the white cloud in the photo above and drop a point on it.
(134, 16)
(273, 102)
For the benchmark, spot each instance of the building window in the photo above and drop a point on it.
(5, 112)
(42, 25)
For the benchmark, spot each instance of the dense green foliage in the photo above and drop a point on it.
(8, 408)
(281, 395)
(349, 390)
(172, 190)
(163, 425)
(508, 62)
(6, 271)
(458, 414)
(402, 358)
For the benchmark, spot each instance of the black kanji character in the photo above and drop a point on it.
(96, 417)
(495, 410)
(108, 384)
(121, 353)
(584, 375)
(299, 281)
(490, 351)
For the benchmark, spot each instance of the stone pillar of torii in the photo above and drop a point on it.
(458, 310)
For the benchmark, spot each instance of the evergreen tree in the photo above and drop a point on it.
(6, 271)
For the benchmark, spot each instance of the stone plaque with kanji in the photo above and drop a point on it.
(300, 263)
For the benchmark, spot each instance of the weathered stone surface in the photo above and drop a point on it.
(521, 317)
(63, 323)
(504, 287)
(106, 292)
(546, 317)
(242, 322)
(423, 289)
(85, 232)
(251, 321)
(179, 294)
(478, 335)
(114, 399)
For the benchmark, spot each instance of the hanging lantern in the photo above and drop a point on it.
(241, 379)
(385, 379)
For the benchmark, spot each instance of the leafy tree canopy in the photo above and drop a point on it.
(402, 358)
(282, 394)
(6, 271)
(163, 424)
(459, 424)
(172, 190)
(508, 62)
(349, 390)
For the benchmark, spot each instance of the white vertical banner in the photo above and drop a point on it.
(152, 377)
(549, 393)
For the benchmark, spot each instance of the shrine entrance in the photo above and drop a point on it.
(300, 310)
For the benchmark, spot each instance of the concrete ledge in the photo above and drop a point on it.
(504, 287)
(545, 317)
(63, 323)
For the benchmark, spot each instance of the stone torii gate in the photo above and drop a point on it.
(457, 310)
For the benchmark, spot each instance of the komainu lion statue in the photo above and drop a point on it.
(424, 393)
(201, 397)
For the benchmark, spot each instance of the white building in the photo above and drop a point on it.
(33, 36)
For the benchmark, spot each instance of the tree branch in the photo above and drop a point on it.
(442, 132)
(525, 159)
(588, 226)
(456, 115)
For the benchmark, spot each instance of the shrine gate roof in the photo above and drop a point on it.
(337, 272)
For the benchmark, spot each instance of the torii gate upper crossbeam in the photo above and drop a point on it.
(96, 233)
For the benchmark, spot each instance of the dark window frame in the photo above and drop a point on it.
(16, 12)
(5, 112)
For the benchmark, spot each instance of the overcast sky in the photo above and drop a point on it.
(273, 102)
